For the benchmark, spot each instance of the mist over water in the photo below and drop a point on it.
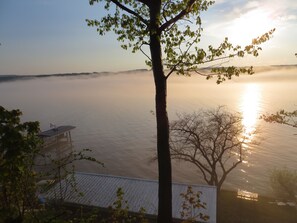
(114, 116)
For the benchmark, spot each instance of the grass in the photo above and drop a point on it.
(234, 210)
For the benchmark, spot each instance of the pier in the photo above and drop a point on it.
(101, 191)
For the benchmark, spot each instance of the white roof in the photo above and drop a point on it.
(100, 191)
(56, 131)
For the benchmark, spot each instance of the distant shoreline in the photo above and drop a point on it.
(14, 77)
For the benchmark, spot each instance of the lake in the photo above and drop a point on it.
(114, 116)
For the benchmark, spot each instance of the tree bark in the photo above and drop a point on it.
(163, 151)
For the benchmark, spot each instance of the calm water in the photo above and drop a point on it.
(114, 115)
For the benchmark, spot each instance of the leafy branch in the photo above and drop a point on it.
(282, 117)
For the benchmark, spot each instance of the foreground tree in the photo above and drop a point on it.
(18, 147)
(171, 30)
(211, 140)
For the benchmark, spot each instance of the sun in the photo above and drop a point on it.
(250, 25)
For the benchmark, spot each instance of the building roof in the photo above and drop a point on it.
(56, 131)
(100, 191)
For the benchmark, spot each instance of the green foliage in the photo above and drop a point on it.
(284, 183)
(282, 117)
(62, 172)
(86, 216)
(226, 73)
(18, 147)
(63, 168)
(191, 206)
(119, 212)
(180, 30)
(131, 30)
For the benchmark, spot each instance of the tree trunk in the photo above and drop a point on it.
(163, 151)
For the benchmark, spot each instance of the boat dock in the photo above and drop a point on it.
(56, 135)
(56, 144)
(101, 191)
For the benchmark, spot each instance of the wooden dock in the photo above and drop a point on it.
(100, 191)
(56, 135)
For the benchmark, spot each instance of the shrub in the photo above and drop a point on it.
(284, 183)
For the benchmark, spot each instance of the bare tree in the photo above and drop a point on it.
(212, 140)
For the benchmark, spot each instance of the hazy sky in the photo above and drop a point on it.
(51, 36)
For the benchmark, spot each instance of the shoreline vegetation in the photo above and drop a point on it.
(14, 77)
(234, 210)
(230, 209)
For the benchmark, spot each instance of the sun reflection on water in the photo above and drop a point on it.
(250, 108)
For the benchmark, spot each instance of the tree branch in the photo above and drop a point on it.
(178, 16)
(184, 54)
(145, 2)
(123, 7)
(140, 48)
